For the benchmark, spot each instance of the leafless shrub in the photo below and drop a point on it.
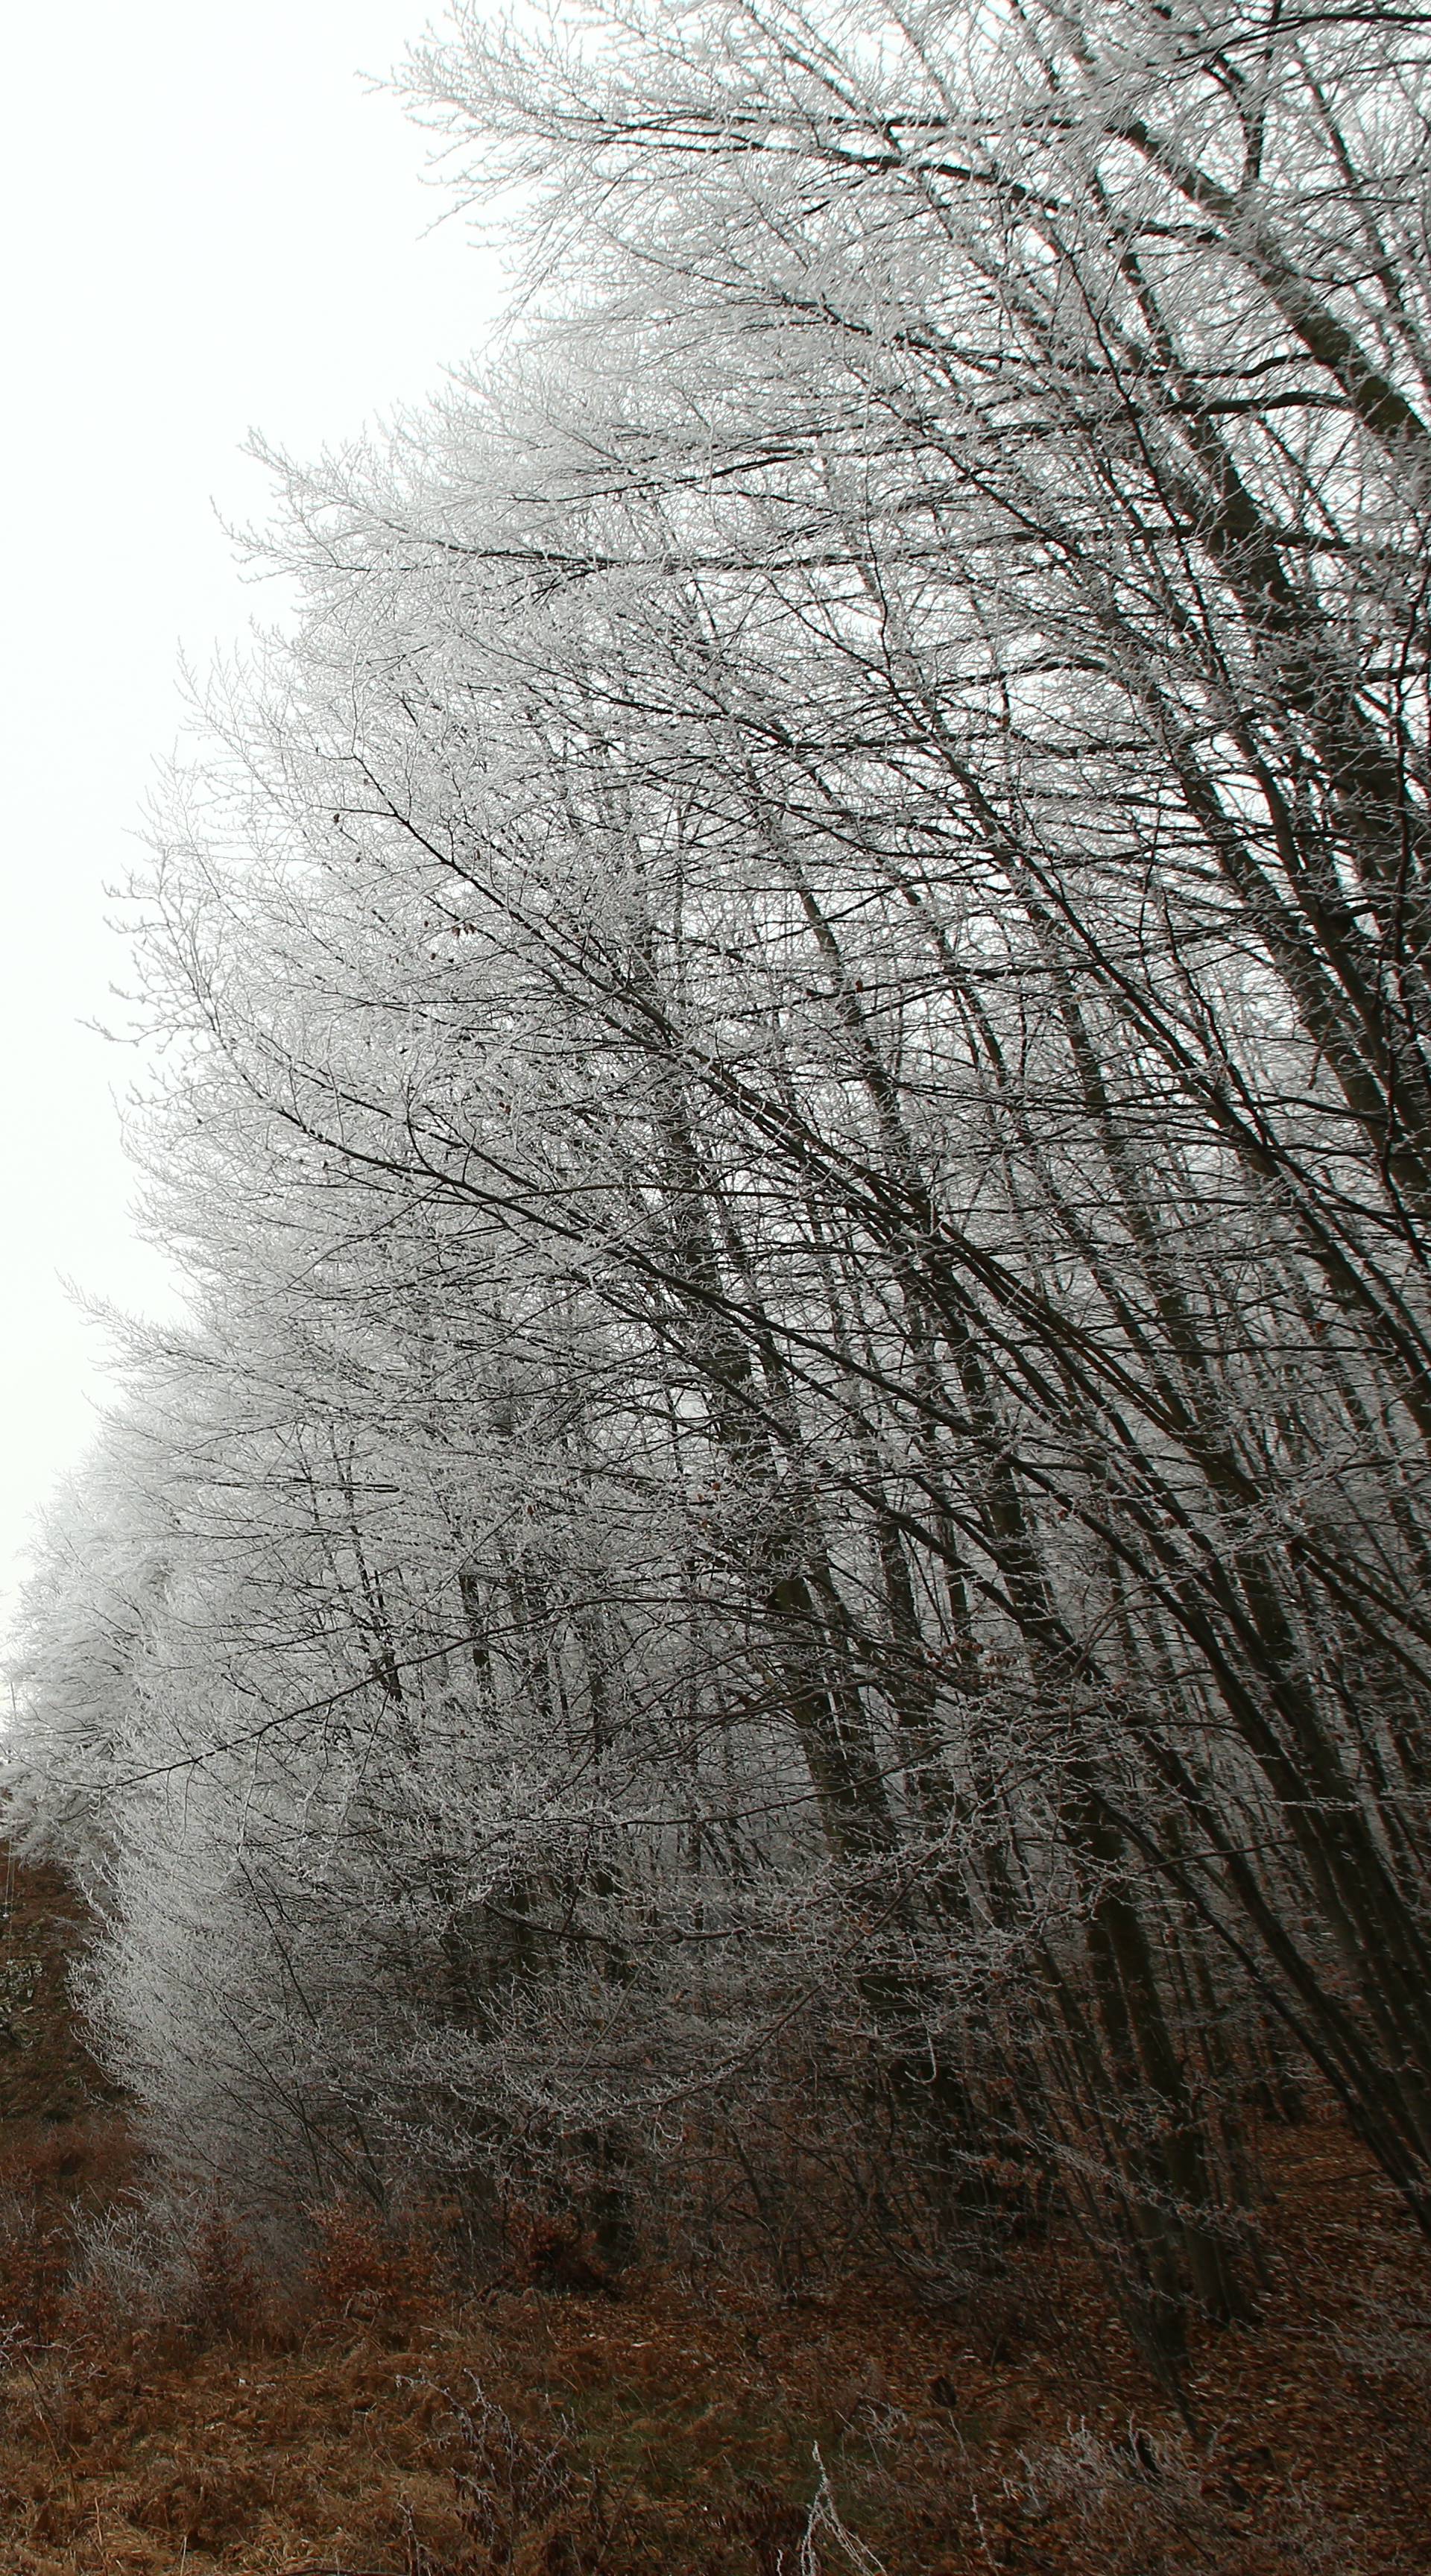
(168, 2261)
(1146, 2502)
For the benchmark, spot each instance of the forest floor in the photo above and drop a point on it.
(374, 2423)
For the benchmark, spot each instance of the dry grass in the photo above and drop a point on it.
(371, 2421)
(165, 2405)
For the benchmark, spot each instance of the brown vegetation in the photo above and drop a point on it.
(369, 2416)
(171, 2401)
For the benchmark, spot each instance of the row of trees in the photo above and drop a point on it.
(791, 1069)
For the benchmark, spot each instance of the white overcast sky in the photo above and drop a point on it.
(210, 224)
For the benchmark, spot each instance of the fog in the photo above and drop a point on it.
(215, 223)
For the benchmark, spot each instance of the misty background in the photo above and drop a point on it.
(215, 223)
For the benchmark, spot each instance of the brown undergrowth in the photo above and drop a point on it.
(372, 2419)
(168, 2403)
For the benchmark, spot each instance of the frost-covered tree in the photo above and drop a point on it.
(798, 1005)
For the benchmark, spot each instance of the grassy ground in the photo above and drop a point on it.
(367, 2419)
